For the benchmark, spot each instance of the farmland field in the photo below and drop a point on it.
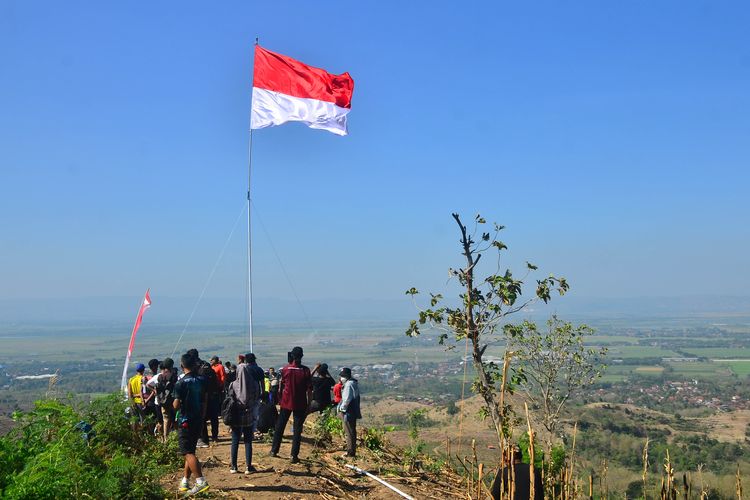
(719, 352)
(741, 368)
(649, 370)
(633, 351)
(705, 370)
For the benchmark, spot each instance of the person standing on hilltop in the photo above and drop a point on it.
(273, 379)
(519, 481)
(245, 393)
(191, 401)
(221, 378)
(296, 395)
(337, 392)
(322, 382)
(349, 409)
(231, 374)
(259, 378)
(135, 387)
(164, 384)
(218, 368)
(213, 395)
(149, 398)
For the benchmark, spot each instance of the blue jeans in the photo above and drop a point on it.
(237, 433)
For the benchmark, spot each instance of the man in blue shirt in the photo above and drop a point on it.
(190, 400)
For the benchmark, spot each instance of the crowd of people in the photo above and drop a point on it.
(245, 397)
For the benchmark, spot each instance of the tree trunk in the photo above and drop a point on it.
(486, 385)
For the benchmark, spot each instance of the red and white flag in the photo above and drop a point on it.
(144, 305)
(286, 90)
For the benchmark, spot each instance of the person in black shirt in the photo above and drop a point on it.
(190, 399)
(231, 375)
(521, 481)
(322, 383)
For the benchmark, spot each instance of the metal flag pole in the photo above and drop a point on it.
(249, 229)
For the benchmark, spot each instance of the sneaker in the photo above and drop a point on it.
(201, 444)
(198, 488)
(250, 470)
(184, 485)
(273, 454)
(295, 460)
(233, 470)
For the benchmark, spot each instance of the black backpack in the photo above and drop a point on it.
(164, 388)
(267, 415)
(228, 410)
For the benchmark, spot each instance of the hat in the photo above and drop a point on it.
(297, 352)
(139, 367)
(214, 358)
(346, 373)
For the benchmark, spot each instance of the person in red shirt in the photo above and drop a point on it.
(218, 368)
(337, 392)
(296, 395)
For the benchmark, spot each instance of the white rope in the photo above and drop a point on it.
(283, 268)
(210, 277)
(376, 478)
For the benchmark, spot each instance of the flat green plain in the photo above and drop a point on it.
(719, 352)
(741, 368)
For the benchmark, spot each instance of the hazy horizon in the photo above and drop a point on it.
(274, 310)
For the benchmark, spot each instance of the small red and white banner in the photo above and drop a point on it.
(285, 90)
(144, 305)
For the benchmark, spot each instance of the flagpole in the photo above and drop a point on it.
(249, 230)
(249, 246)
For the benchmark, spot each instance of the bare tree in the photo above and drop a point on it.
(485, 305)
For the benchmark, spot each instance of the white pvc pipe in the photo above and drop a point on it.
(376, 478)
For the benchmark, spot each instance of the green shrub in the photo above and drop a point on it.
(374, 439)
(48, 456)
(328, 425)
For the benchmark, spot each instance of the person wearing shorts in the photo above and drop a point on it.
(191, 400)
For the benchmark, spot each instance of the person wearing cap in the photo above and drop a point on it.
(296, 395)
(135, 385)
(349, 409)
(322, 382)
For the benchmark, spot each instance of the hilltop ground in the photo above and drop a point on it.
(322, 472)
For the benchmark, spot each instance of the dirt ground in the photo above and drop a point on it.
(320, 473)
(729, 427)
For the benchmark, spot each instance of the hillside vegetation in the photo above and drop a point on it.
(62, 450)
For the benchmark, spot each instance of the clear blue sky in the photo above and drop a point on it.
(611, 138)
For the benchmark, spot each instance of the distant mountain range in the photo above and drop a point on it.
(169, 309)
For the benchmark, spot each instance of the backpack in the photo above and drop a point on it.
(212, 381)
(267, 415)
(164, 388)
(228, 410)
(236, 414)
